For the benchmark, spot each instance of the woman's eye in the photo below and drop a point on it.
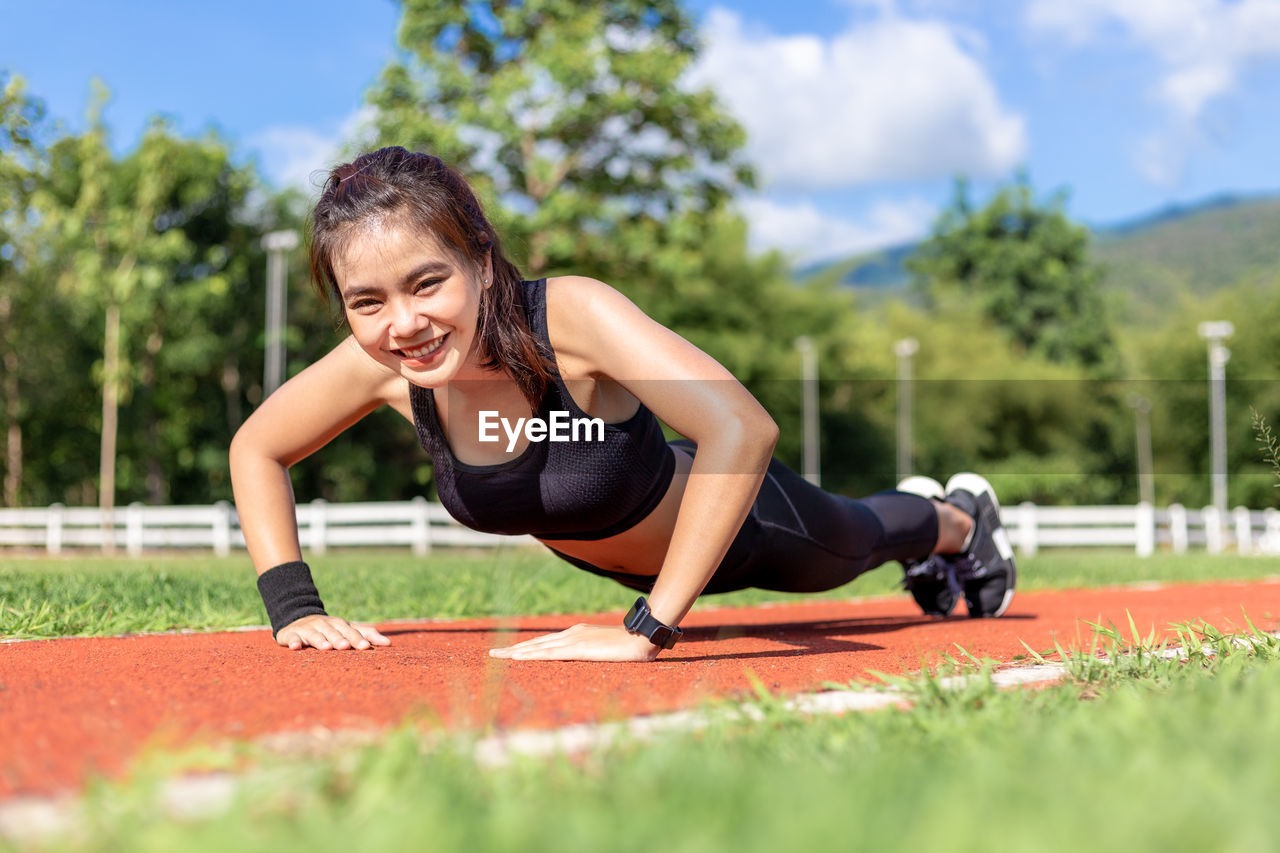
(426, 284)
(363, 304)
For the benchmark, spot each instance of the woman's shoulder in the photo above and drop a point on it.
(577, 291)
(595, 330)
(580, 312)
(585, 306)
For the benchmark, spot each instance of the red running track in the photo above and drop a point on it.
(76, 708)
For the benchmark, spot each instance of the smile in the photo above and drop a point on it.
(423, 350)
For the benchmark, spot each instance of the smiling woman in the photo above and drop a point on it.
(445, 331)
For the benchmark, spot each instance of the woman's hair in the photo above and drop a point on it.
(420, 190)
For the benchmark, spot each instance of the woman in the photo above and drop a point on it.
(494, 372)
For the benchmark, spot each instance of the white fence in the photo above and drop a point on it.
(420, 525)
(1144, 528)
(415, 524)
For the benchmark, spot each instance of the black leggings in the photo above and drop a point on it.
(798, 538)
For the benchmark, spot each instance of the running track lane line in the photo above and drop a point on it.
(72, 709)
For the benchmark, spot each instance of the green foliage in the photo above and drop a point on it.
(1028, 267)
(1016, 372)
(568, 117)
(1153, 266)
(1267, 441)
(21, 131)
(1173, 357)
(158, 238)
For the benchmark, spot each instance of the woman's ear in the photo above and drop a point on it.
(486, 271)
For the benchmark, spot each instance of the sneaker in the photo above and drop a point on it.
(932, 582)
(985, 568)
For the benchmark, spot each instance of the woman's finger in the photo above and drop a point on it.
(334, 633)
(371, 634)
(315, 637)
(289, 638)
(351, 635)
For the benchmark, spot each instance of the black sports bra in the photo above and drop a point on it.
(585, 489)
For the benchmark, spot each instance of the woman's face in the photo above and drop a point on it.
(411, 304)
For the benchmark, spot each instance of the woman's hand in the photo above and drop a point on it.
(583, 642)
(329, 632)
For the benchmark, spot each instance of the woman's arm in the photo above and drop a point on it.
(299, 418)
(697, 397)
(605, 335)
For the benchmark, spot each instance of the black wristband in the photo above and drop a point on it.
(289, 593)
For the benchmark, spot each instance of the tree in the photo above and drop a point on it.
(1173, 358)
(569, 118)
(113, 254)
(192, 347)
(152, 248)
(1028, 267)
(21, 161)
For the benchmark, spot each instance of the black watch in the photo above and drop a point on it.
(640, 620)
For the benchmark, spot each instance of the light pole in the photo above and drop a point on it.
(1215, 333)
(809, 379)
(1142, 420)
(277, 243)
(904, 349)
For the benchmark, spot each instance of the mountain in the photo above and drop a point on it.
(1150, 261)
(1194, 250)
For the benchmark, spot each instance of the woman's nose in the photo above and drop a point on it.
(405, 321)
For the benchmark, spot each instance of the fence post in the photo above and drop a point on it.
(1271, 540)
(1145, 524)
(53, 529)
(420, 527)
(1244, 530)
(1212, 529)
(222, 528)
(317, 528)
(133, 529)
(1028, 529)
(1178, 528)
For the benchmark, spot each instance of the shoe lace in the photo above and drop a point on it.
(966, 567)
(952, 569)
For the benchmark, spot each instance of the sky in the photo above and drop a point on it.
(859, 113)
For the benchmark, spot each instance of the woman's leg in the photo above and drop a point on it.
(810, 540)
(799, 538)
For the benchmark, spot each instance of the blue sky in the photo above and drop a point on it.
(859, 111)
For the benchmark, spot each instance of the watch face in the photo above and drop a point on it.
(635, 616)
(639, 620)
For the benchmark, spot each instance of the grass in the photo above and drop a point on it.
(42, 597)
(1144, 753)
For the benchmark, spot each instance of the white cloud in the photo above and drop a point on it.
(806, 234)
(298, 155)
(1203, 45)
(887, 99)
(1161, 158)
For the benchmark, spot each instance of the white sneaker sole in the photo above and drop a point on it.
(925, 487)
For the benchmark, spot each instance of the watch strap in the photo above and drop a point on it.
(640, 620)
